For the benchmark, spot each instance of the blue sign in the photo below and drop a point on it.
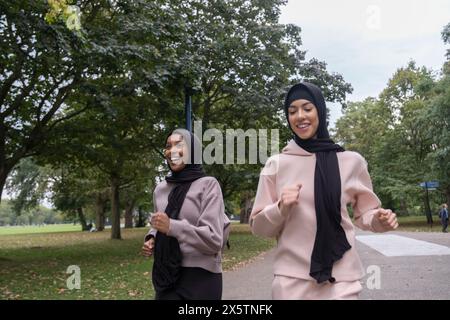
(430, 184)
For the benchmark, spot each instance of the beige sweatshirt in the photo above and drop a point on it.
(295, 232)
(199, 229)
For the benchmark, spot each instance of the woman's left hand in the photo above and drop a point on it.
(387, 219)
(161, 222)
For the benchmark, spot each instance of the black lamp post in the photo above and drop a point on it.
(188, 106)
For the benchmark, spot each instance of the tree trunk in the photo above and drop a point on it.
(115, 209)
(141, 220)
(82, 218)
(403, 207)
(4, 171)
(427, 208)
(246, 207)
(447, 193)
(129, 214)
(100, 205)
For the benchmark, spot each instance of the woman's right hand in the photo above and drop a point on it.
(289, 197)
(147, 248)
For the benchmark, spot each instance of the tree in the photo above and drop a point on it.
(120, 67)
(118, 142)
(71, 193)
(396, 134)
(43, 66)
(437, 120)
(241, 65)
(27, 185)
(40, 66)
(439, 123)
(133, 59)
(446, 37)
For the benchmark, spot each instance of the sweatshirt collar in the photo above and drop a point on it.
(294, 149)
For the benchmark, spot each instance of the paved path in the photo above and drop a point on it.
(405, 272)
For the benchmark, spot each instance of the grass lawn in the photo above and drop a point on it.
(39, 229)
(419, 224)
(33, 266)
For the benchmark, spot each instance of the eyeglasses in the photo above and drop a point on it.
(179, 145)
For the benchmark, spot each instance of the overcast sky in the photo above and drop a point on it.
(366, 41)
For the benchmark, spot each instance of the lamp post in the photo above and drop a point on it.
(427, 206)
(188, 106)
(429, 185)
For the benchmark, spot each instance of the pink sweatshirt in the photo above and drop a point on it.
(296, 231)
(199, 229)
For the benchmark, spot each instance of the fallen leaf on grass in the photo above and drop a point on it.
(133, 293)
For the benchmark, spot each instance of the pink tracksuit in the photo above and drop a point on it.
(295, 232)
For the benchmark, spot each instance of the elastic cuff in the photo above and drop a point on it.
(273, 214)
(150, 234)
(175, 228)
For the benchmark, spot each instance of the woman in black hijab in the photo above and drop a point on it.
(302, 200)
(187, 232)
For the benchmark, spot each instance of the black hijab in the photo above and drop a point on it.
(330, 242)
(168, 257)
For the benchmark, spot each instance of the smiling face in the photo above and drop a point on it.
(303, 119)
(176, 152)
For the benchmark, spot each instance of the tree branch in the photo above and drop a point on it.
(220, 98)
(4, 89)
(46, 97)
(18, 101)
(69, 116)
(62, 95)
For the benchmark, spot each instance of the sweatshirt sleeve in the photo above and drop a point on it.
(152, 232)
(207, 235)
(365, 202)
(265, 218)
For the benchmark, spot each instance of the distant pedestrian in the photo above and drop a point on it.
(443, 214)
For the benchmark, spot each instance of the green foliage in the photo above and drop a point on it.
(36, 215)
(404, 136)
(97, 107)
(438, 121)
(446, 38)
(244, 61)
(62, 10)
(28, 184)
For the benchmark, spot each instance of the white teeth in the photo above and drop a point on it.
(175, 156)
(302, 126)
